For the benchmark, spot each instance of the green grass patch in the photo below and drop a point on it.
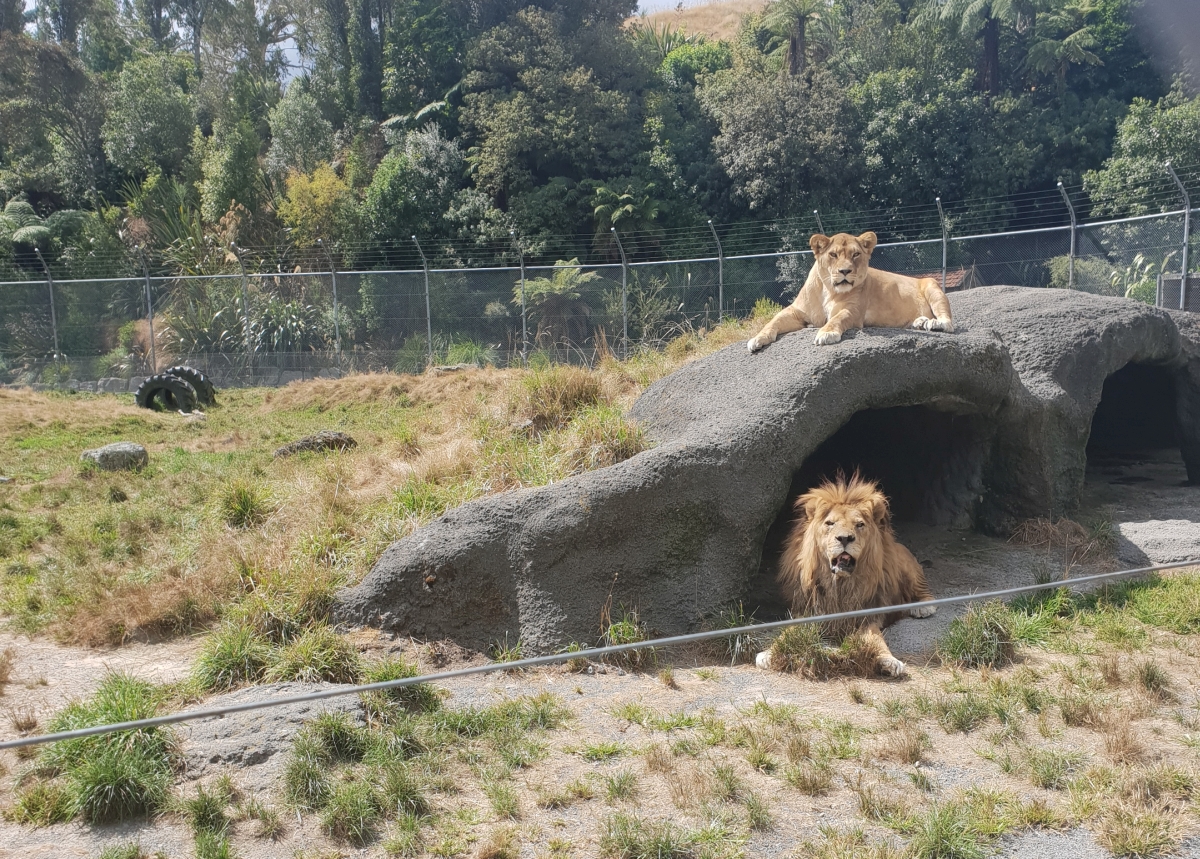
(111, 776)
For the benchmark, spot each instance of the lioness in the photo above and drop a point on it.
(842, 291)
(842, 555)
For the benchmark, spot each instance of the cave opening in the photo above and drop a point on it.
(1135, 435)
(928, 461)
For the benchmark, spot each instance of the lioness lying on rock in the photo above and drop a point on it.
(842, 555)
(843, 292)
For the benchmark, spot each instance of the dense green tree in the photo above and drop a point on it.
(301, 137)
(794, 20)
(13, 16)
(984, 19)
(413, 189)
(544, 99)
(229, 161)
(782, 140)
(50, 116)
(1150, 135)
(150, 117)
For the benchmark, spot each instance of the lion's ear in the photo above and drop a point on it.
(868, 240)
(808, 506)
(819, 242)
(880, 511)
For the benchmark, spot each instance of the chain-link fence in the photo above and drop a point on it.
(274, 328)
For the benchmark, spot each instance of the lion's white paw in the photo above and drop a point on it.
(921, 323)
(824, 338)
(763, 660)
(891, 666)
(923, 611)
(937, 325)
(755, 343)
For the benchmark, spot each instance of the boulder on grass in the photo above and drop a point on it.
(324, 440)
(121, 456)
(980, 428)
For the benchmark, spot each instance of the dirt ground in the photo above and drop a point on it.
(1133, 492)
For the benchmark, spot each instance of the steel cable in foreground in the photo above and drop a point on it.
(532, 662)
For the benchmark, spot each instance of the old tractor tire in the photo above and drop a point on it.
(165, 391)
(206, 392)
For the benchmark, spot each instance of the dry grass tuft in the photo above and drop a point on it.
(906, 745)
(322, 395)
(802, 650)
(7, 657)
(1121, 741)
(22, 719)
(1076, 543)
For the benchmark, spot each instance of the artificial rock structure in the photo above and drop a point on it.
(980, 428)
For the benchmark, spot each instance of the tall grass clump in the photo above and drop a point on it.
(317, 655)
(602, 435)
(417, 698)
(549, 396)
(802, 650)
(244, 504)
(231, 656)
(983, 636)
(111, 776)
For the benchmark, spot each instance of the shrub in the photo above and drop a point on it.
(603, 436)
(230, 656)
(982, 636)
(306, 781)
(318, 654)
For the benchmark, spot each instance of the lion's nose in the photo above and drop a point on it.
(846, 539)
(846, 269)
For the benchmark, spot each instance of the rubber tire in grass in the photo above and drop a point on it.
(206, 392)
(168, 392)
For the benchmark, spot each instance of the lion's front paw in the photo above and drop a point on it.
(763, 660)
(923, 611)
(825, 338)
(939, 325)
(891, 666)
(756, 343)
(921, 323)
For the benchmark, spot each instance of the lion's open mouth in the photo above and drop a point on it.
(843, 563)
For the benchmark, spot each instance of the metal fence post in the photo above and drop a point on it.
(524, 318)
(820, 226)
(50, 286)
(149, 310)
(624, 292)
(428, 312)
(945, 238)
(337, 327)
(1071, 258)
(1187, 229)
(237, 252)
(720, 274)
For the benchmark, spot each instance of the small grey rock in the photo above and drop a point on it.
(121, 456)
(112, 385)
(252, 741)
(6, 480)
(324, 440)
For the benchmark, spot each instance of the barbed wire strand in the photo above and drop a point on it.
(550, 659)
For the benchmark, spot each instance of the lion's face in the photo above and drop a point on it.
(843, 531)
(844, 525)
(843, 259)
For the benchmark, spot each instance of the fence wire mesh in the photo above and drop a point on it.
(274, 328)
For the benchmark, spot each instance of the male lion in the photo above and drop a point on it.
(842, 555)
(842, 291)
